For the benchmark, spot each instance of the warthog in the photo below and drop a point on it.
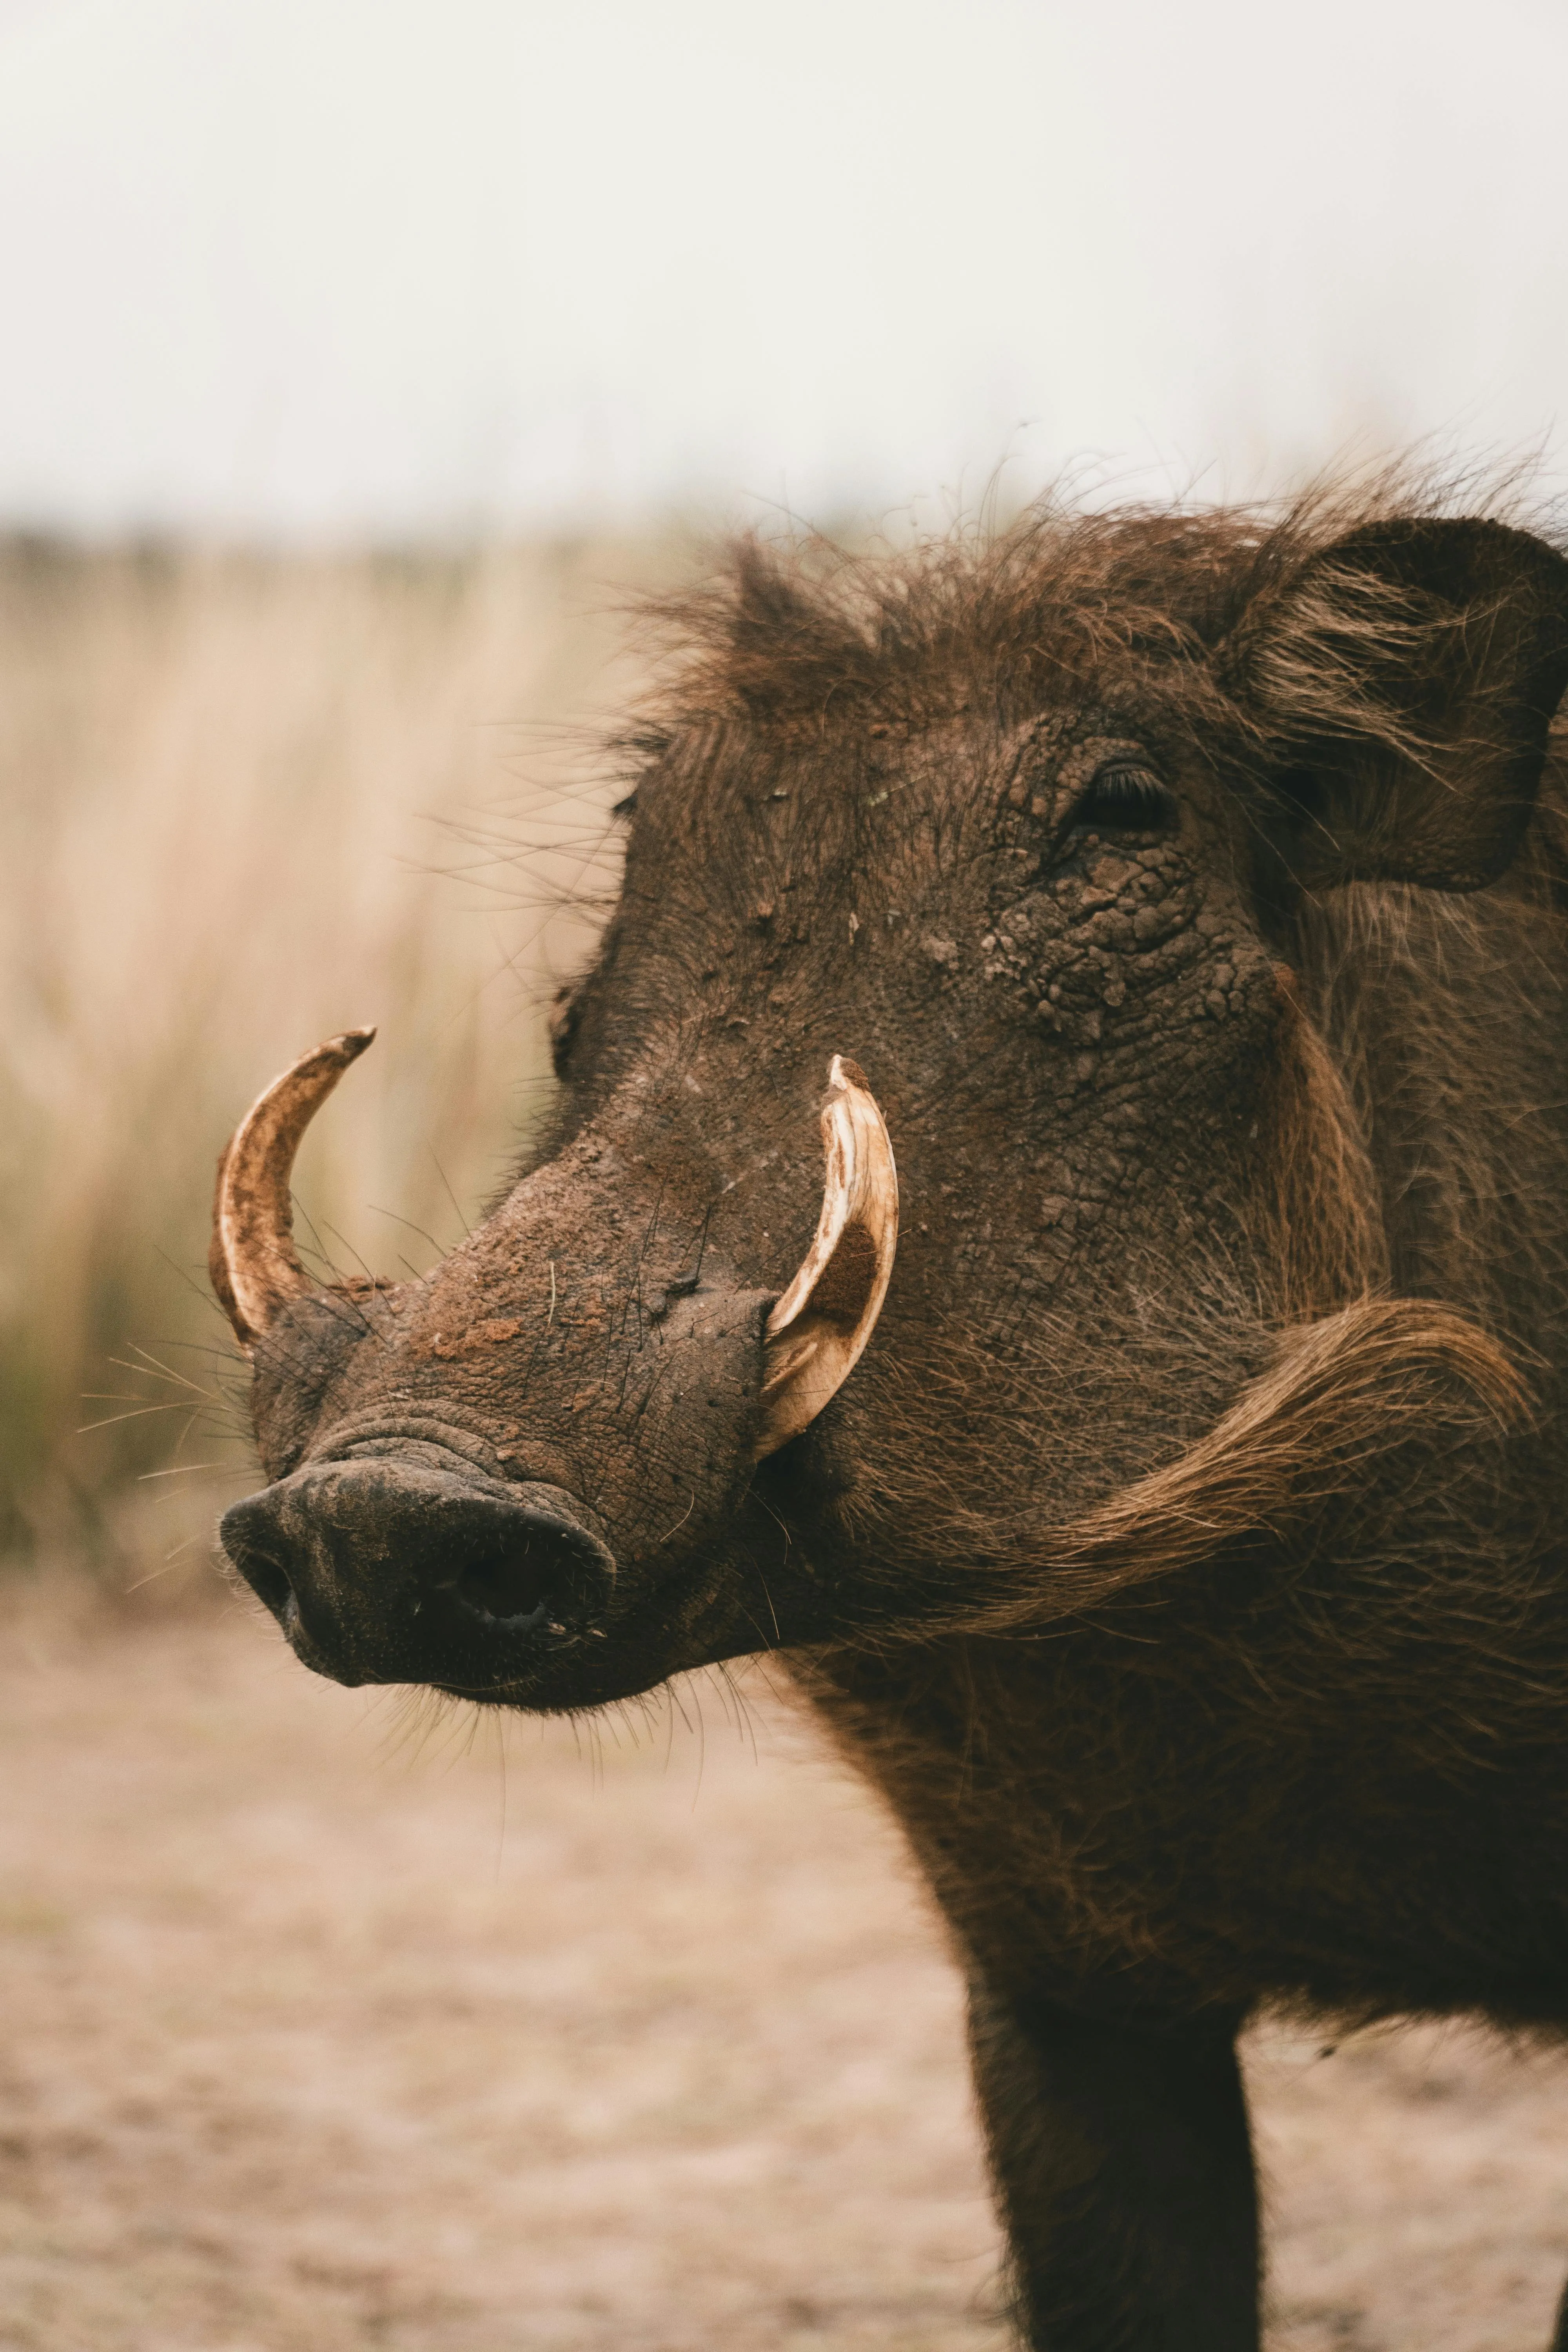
(1156, 1485)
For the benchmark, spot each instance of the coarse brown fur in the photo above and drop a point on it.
(1184, 1558)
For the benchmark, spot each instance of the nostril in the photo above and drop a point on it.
(266, 1576)
(270, 1583)
(530, 1574)
(507, 1589)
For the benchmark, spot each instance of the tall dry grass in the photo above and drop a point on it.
(247, 801)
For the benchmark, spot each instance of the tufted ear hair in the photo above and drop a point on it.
(1403, 682)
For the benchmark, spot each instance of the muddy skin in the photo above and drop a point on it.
(1182, 1556)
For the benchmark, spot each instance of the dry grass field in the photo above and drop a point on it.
(246, 803)
(324, 2026)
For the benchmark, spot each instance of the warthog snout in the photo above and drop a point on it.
(364, 1562)
(586, 1339)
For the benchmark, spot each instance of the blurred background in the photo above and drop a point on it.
(364, 362)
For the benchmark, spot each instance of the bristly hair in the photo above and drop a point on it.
(802, 636)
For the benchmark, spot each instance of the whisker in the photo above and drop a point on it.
(450, 1194)
(364, 1268)
(399, 1219)
(168, 1562)
(163, 1369)
(87, 1427)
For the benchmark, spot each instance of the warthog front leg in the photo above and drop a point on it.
(1124, 2168)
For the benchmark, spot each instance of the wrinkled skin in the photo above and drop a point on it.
(1194, 1059)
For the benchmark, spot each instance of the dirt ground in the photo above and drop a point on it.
(328, 2027)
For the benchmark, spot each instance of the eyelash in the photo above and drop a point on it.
(1124, 798)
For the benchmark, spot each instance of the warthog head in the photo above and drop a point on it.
(1002, 854)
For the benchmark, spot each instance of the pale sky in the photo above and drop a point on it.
(326, 268)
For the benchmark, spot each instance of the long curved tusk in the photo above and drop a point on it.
(253, 1263)
(817, 1332)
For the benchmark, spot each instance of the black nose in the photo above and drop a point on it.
(371, 1566)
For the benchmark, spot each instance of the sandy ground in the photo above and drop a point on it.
(318, 2033)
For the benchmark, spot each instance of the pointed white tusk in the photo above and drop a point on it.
(819, 1329)
(252, 1261)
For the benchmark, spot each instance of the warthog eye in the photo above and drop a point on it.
(1125, 798)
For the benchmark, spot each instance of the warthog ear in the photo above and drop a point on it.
(1404, 682)
(817, 1330)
